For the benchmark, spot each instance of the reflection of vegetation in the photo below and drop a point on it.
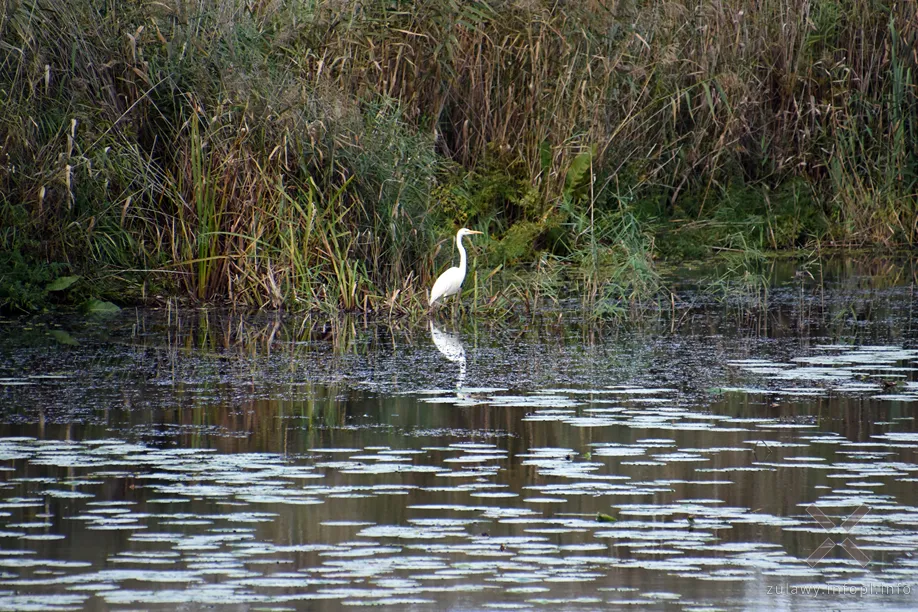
(746, 279)
(319, 155)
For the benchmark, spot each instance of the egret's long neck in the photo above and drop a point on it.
(462, 257)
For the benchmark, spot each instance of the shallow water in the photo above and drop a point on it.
(286, 462)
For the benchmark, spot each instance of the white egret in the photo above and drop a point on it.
(450, 282)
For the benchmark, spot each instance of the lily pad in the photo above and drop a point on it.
(94, 306)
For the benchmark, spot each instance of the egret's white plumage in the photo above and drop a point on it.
(450, 282)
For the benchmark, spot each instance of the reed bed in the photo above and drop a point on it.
(321, 155)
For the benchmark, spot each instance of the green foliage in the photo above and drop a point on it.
(519, 242)
(742, 217)
(624, 270)
(61, 283)
(25, 284)
(393, 174)
(795, 216)
(499, 197)
(579, 177)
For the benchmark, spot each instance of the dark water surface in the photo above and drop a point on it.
(162, 459)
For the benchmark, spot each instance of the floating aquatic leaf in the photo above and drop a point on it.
(99, 307)
(62, 337)
(604, 518)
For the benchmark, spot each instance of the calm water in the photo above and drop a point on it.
(281, 462)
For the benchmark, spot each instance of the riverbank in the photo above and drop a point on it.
(321, 156)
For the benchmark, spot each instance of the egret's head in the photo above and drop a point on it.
(467, 232)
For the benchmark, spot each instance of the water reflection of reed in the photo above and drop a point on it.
(308, 366)
(798, 306)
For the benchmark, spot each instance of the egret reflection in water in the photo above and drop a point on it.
(450, 347)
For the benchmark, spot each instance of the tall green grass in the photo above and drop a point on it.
(322, 154)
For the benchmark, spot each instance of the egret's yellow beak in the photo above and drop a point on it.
(474, 232)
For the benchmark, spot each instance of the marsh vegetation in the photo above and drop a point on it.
(321, 154)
